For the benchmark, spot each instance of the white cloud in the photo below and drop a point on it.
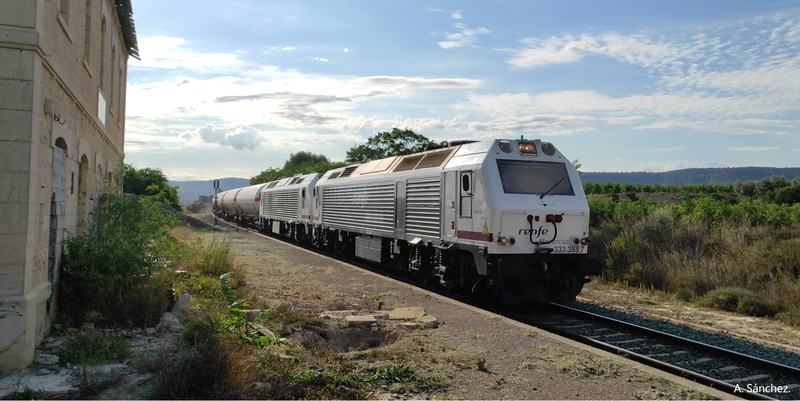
(679, 164)
(782, 133)
(164, 52)
(425, 124)
(324, 60)
(727, 84)
(623, 120)
(466, 37)
(633, 49)
(238, 137)
(456, 15)
(754, 149)
(289, 48)
(666, 149)
(551, 125)
(346, 50)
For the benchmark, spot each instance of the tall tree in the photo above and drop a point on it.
(395, 143)
(298, 163)
(151, 183)
(303, 157)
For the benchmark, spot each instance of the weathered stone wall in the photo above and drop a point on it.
(55, 150)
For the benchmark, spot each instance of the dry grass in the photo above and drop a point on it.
(661, 252)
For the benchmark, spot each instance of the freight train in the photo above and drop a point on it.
(504, 218)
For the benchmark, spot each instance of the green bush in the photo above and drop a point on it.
(211, 259)
(114, 270)
(94, 348)
(738, 300)
(790, 317)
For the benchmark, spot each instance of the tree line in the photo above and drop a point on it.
(775, 189)
(396, 142)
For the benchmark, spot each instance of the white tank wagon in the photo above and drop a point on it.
(507, 216)
(247, 202)
(224, 202)
(287, 206)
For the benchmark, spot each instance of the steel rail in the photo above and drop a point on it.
(749, 359)
(676, 370)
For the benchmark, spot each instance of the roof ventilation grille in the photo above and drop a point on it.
(408, 163)
(434, 159)
(347, 171)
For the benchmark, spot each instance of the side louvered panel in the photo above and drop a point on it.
(283, 205)
(367, 207)
(265, 205)
(423, 206)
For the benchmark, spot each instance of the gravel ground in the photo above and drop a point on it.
(520, 363)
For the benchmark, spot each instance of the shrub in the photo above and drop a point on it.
(790, 317)
(114, 269)
(94, 348)
(738, 300)
(211, 259)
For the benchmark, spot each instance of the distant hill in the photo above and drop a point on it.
(727, 175)
(189, 191)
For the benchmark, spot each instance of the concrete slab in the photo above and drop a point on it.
(354, 320)
(428, 322)
(336, 314)
(409, 313)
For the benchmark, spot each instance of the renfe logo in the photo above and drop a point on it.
(536, 233)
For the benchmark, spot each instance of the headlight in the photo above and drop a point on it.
(503, 240)
(548, 149)
(527, 148)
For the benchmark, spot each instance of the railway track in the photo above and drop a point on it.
(729, 371)
(725, 370)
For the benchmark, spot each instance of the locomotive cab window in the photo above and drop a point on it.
(534, 177)
(465, 200)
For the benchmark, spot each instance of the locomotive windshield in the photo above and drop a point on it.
(531, 177)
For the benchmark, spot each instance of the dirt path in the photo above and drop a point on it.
(520, 363)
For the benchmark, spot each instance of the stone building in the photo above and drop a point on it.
(63, 70)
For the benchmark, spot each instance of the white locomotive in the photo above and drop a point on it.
(507, 216)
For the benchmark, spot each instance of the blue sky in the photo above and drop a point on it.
(230, 88)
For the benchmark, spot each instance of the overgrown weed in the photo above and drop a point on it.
(702, 248)
(94, 348)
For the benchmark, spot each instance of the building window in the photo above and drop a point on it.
(103, 30)
(64, 10)
(119, 98)
(87, 39)
(113, 65)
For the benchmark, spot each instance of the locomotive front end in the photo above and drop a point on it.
(539, 220)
